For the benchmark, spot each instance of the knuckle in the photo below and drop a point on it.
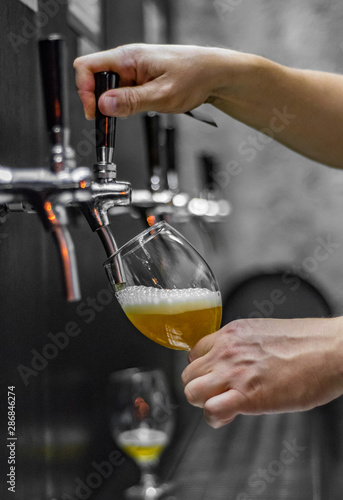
(239, 325)
(226, 348)
(77, 63)
(82, 93)
(232, 339)
(132, 100)
(184, 379)
(192, 396)
(253, 385)
(81, 63)
(192, 356)
(211, 415)
(214, 416)
(189, 395)
(169, 97)
(210, 409)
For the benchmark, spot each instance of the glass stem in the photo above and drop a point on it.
(148, 475)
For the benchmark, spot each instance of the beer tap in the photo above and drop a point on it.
(209, 208)
(215, 208)
(163, 199)
(155, 202)
(49, 192)
(180, 198)
(170, 139)
(106, 191)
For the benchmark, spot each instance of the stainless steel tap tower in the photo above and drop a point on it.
(50, 191)
(106, 191)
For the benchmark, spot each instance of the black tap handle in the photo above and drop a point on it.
(172, 175)
(52, 62)
(170, 148)
(105, 126)
(209, 168)
(152, 129)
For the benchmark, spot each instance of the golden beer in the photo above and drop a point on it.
(174, 318)
(143, 445)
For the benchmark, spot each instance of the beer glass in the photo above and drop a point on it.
(165, 287)
(141, 422)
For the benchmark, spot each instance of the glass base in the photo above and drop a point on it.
(149, 489)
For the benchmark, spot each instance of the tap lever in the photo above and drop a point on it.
(172, 175)
(106, 191)
(201, 117)
(209, 164)
(53, 72)
(52, 61)
(105, 126)
(153, 129)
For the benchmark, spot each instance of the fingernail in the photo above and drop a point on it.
(108, 105)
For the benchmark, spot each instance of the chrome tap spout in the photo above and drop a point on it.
(49, 194)
(103, 198)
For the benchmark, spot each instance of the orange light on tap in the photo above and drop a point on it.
(151, 219)
(96, 213)
(49, 211)
(141, 409)
(65, 254)
(57, 106)
(83, 184)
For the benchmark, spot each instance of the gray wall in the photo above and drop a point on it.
(282, 203)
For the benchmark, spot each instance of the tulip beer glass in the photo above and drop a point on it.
(165, 287)
(142, 422)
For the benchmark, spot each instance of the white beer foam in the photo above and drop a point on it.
(143, 437)
(150, 300)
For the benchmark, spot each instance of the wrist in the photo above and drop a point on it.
(247, 87)
(338, 348)
(234, 76)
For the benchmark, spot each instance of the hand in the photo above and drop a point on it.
(260, 366)
(167, 79)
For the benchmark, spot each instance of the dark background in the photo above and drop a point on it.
(61, 415)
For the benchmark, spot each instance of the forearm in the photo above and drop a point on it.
(299, 108)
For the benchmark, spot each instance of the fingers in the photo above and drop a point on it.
(131, 100)
(202, 347)
(223, 408)
(201, 389)
(197, 377)
(209, 388)
(152, 78)
(85, 67)
(108, 60)
(88, 102)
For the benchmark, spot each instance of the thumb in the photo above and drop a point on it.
(128, 101)
(223, 408)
